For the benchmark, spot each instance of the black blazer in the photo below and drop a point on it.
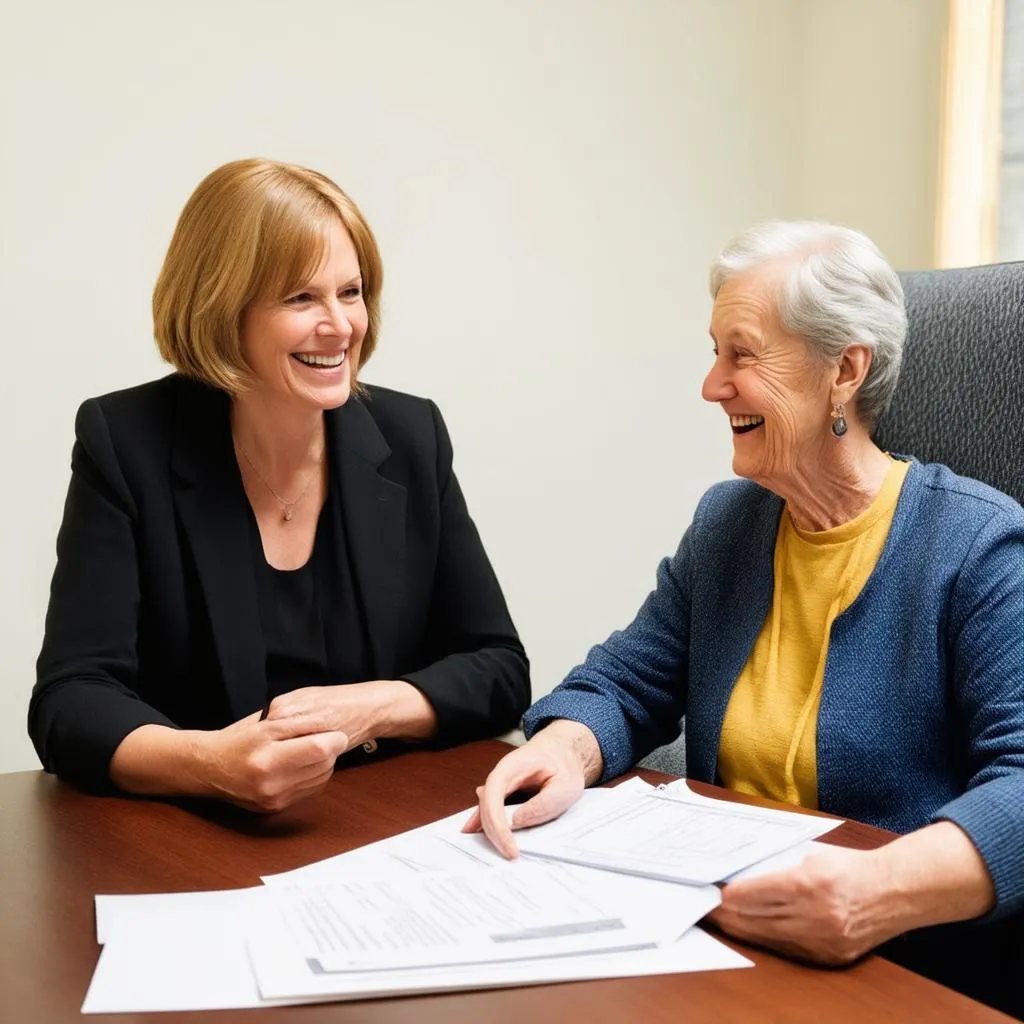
(153, 613)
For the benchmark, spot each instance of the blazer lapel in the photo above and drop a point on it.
(374, 511)
(214, 514)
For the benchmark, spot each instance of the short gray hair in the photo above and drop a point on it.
(838, 291)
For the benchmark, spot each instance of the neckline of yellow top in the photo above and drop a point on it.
(882, 505)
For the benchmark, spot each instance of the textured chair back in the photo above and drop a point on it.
(960, 397)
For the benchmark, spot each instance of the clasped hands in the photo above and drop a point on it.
(828, 910)
(268, 765)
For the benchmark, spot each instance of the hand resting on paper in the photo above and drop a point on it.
(822, 910)
(840, 904)
(561, 761)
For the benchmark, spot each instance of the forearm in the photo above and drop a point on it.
(475, 693)
(932, 876)
(155, 760)
(401, 711)
(580, 741)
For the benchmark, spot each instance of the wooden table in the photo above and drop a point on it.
(58, 848)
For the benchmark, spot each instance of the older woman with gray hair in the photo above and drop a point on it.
(843, 628)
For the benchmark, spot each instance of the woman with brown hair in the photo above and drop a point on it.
(264, 564)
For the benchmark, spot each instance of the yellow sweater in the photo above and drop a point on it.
(768, 742)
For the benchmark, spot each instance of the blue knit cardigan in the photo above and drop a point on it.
(922, 707)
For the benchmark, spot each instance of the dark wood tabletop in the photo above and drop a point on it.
(59, 847)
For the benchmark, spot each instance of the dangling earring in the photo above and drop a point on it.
(838, 419)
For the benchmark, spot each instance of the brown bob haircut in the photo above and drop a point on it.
(252, 230)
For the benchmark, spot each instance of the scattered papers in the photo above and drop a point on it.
(226, 911)
(428, 848)
(513, 919)
(433, 910)
(783, 861)
(672, 834)
(441, 919)
(439, 846)
(209, 974)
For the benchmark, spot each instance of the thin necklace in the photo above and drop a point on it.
(288, 507)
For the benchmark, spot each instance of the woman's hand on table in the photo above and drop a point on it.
(839, 904)
(560, 761)
(825, 910)
(259, 765)
(267, 763)
(266, 766)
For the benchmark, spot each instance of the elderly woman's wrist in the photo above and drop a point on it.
(579, 743)
(933, 876)
(883, 909)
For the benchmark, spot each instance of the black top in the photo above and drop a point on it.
(154, 615)
(312, 622)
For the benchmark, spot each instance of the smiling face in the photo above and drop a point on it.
(303, 349)
(775, 392)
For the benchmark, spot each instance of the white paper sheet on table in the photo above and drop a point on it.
(223, 910)
(517, 911)
(422, 849)
(291, 959)
(780, 861)
(186, 951)
(437, 846)
(428, 848)
(191, 955)
(202, 973)
(672, 834)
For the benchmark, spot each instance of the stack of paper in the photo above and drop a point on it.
(434, 910)
(673, 834)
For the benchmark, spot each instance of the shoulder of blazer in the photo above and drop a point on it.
(149, 410)
(730, 509)
(411, 426)
(396, 410)
(138, 427)
(153, 395)
(152, 407)
(734, 529)
(958, 496)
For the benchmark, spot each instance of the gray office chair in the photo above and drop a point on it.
(959, 402)
(960, 396)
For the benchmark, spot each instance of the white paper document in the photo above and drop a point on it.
(672, 834)
(222, 912)
(430, 847)
(783, 861)
(520, 914)
(515, 912)
(188, 952)
(411, 853)
(208, 974)
(195, 951)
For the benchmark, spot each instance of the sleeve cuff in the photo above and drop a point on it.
(601, 715)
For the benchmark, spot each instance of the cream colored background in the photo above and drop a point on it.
(548, 180)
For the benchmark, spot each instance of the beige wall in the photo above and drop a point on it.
(548, 180)
(868, 109)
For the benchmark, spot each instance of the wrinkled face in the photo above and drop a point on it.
(774, 391)
(304, 349)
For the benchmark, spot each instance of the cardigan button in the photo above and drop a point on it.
(370, 746)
